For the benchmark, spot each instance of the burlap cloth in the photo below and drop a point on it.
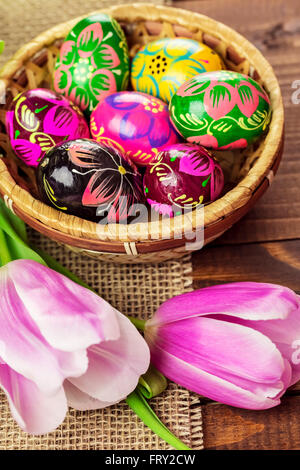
(133, 289)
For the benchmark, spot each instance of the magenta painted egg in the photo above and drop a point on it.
(135, 123)
(39, 119)
(182, 176)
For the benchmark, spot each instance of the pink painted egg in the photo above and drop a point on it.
(182, 176)
(135, 123)
(39, 119)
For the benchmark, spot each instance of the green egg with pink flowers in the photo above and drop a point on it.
(222, 110)
(93, 62)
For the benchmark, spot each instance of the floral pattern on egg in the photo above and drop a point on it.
(161, 66)
(89, 180)
(221, 110)
(182, 176)
(39, 119)
(93, 62)
(137, 124)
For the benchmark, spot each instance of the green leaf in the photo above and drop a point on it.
(13, 238)
(12, 221)
(152, 383)
(1, 46)
(5, 256)
(138, 322)
(140, 406)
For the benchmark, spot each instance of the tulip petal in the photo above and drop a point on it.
(82, 401)
(286, 336)
(226, 362)
(24, 349)
(214, 387)
(46, 341)
(69, 316)
(115, 366)
(248, 300)
(35, 412)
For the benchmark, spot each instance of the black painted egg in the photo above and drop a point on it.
(182, 176)
(92, 181)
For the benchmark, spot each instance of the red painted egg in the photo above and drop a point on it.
(182, 176)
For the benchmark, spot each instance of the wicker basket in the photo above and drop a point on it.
(248, 172)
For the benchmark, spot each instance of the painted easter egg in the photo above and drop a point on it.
(39, 119)
(221, 110)
(84, 178)
(135, 123)
(182, 176)
(93, 61)
(161, 66)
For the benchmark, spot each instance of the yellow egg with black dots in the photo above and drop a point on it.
(162, 66)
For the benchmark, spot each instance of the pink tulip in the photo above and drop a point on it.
(62, 344)
(238, 343)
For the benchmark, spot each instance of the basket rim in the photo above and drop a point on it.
(150, 233)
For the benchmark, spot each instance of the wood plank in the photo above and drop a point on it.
(228, 428)
(276, 32)
(275, 262)
(276, 216)
(244, 17)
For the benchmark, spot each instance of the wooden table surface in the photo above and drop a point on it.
(265, 245)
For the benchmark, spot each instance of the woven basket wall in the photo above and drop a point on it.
(248, 173)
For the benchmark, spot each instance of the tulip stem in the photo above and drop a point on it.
(140, 406)
(140, 324)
